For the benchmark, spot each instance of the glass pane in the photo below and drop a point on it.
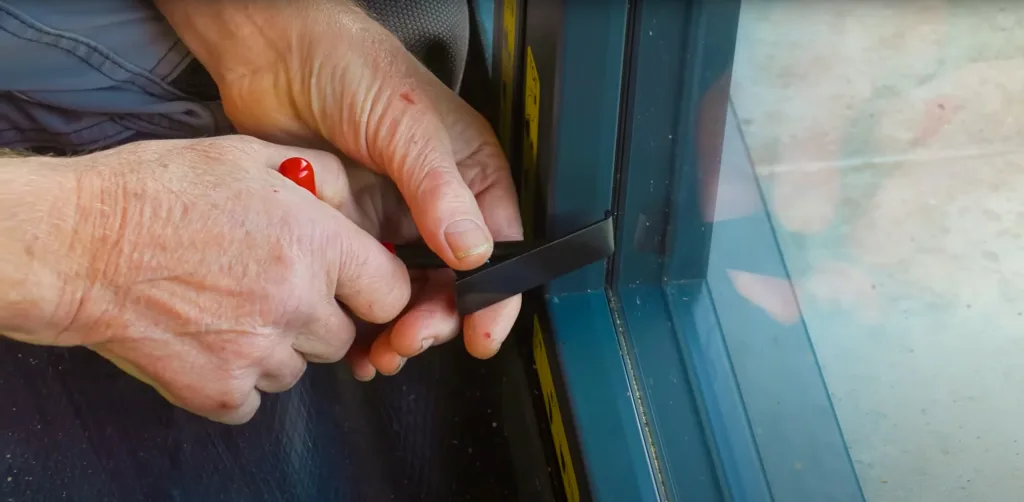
(886, 138)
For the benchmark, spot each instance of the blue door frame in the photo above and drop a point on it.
(680, 388)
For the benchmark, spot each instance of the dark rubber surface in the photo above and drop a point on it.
(73, 427)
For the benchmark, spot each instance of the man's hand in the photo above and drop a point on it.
(321, 73)
(374, 203)
(196, 267)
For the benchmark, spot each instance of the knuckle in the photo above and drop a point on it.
(438, 183)
(378, 292)
(223, 392)
(422, 159)
(287, 272)
(331, 337)
(356, 268)
(397, 298)
(282, 378)
(332, 353)
(229, 403)
(282, 260)
(444, 190)
(292, 374)
(355, 264)
(285, 365)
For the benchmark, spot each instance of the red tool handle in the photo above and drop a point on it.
(300, 171)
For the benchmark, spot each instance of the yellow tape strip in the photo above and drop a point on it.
(558, 435)
(531, 102)
(531, 112)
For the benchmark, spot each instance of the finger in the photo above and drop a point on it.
(364, 275)
(383, 357)
(481, 162)
(408, 142)
(432, 320)
(282, 370)
(329, 337)
(371, 281)
(358, 359)
(485, 330)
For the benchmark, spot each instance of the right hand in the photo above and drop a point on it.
(211, 277)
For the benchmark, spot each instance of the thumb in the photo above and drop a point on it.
(409, 143)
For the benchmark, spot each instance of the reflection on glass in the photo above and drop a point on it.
(886, 138)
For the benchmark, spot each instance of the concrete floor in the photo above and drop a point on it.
(889, 140)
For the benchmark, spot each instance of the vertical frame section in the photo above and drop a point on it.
(597, 385)
(710, 41)
(768, 405)
(765, 403)
(573, 73)
(578, 49)
(670, 77)
(736, 403)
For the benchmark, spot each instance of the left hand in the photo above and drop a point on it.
(321, 73)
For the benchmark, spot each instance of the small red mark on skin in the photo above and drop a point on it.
(407, 97)
(487, 335)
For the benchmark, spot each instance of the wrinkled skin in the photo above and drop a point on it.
(322, 74)
(202, 271)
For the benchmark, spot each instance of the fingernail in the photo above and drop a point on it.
(425, 344)
(466, 238)
(401, 362)
(365, 378)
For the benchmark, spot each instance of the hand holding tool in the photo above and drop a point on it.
(514, 267)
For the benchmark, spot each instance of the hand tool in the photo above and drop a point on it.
(514, 267)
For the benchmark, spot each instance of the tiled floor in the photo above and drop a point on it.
(889, 137)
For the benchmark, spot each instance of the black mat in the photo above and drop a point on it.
(73, 427)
